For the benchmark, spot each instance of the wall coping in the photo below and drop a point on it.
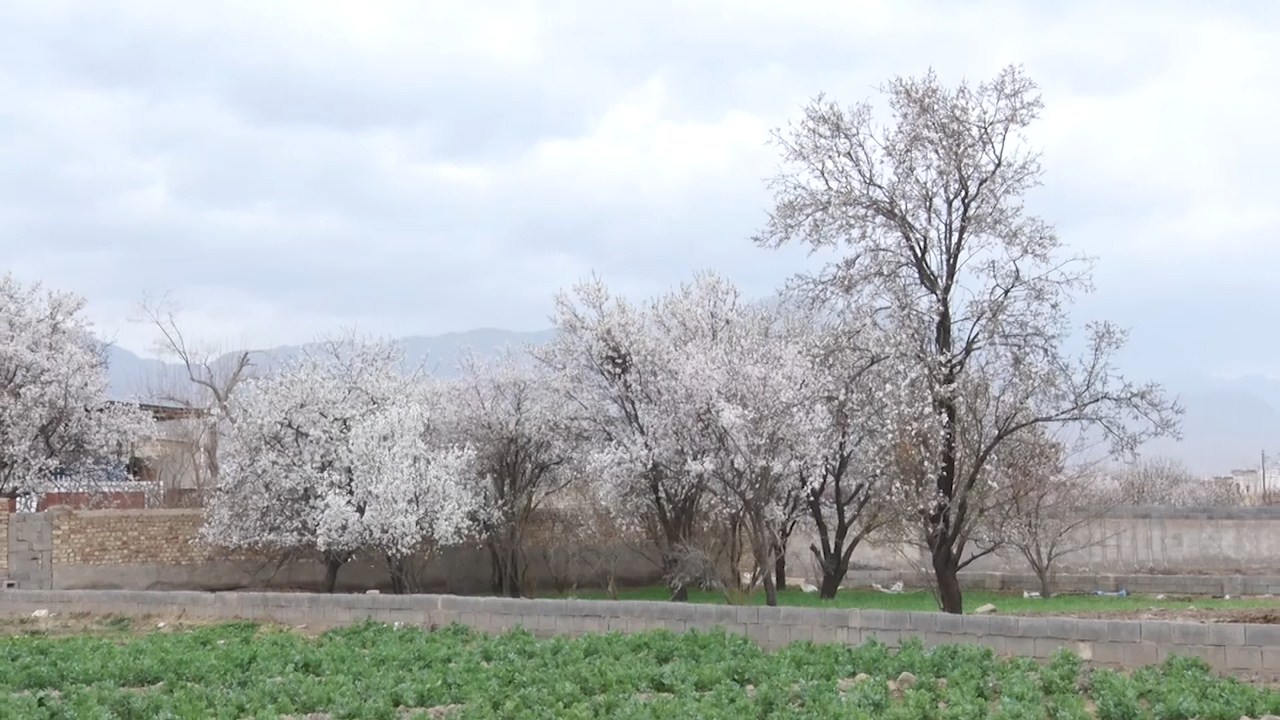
(146, 602)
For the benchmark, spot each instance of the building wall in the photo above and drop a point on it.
(4, 544)
(1239, 649)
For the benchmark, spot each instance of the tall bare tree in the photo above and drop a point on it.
(211, 379)
(929, 211)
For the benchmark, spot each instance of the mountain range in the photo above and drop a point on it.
(1229, 422)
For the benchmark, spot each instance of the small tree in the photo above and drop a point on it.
(930, 212)
(526, 449)
(338, 452)
(849, 487)
(1048, 499)
(624, 369)
(760, 416)
(55, 418)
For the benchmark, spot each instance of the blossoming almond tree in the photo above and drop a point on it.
(339, 451)
(929, 211)
(419, 494)
(55, 419)
(526, 449)
(849, 487)
(626, 371)
(760, 418)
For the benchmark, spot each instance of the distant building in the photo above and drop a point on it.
(1248, 483)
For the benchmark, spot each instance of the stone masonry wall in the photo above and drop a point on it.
(1239, 649)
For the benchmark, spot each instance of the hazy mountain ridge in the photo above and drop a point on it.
(1228, 423)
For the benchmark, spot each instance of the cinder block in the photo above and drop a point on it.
(1045, 647)
(1244, 658)
(1124, 631)
(801, 633)
(1271, 662)
(948, 623)
(921, 623)
(1267, 636)
(1215, 656)
(1033, 627)
(1225, 634)
(1140, 654)
(1091, 630)
(759, 634)
(1159, 633)
(725, 614)
(874, 620)
(789, 615)
(899, 621)
(1109, 653)
(1020, 646)
(892, 638)
(934, 639)
(777, 635)
(830, 635)
(1190, 634)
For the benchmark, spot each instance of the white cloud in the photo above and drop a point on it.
(412, 167)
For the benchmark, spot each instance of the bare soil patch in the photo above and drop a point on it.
(1253, 616)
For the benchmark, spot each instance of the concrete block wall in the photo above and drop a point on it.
(1238, 649)
(4, 544)
(1207, 585)
(1132, 540)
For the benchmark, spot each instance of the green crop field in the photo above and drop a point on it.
(244, 670)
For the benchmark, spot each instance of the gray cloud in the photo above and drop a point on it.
(415, 168)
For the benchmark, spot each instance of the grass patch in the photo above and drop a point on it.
(244, 670)
(922, 601)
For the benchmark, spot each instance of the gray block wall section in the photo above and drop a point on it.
(1238, 649)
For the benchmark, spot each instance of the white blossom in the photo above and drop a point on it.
(55, 419)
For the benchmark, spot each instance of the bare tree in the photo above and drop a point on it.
(972, 290)
(212, 378)
(1050, 498)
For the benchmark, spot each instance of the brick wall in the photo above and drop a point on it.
(1239, 649)
(125, 537)
(159, 550)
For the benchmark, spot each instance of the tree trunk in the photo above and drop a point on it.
(947, 574)
(511, 576)
(399, 575)
(831, 578)
(770, 591)
(331, 567)
(495, 568)
(780, 571)
(1046, 582)
(680, 594)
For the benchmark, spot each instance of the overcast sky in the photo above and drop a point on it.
(284, 169)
